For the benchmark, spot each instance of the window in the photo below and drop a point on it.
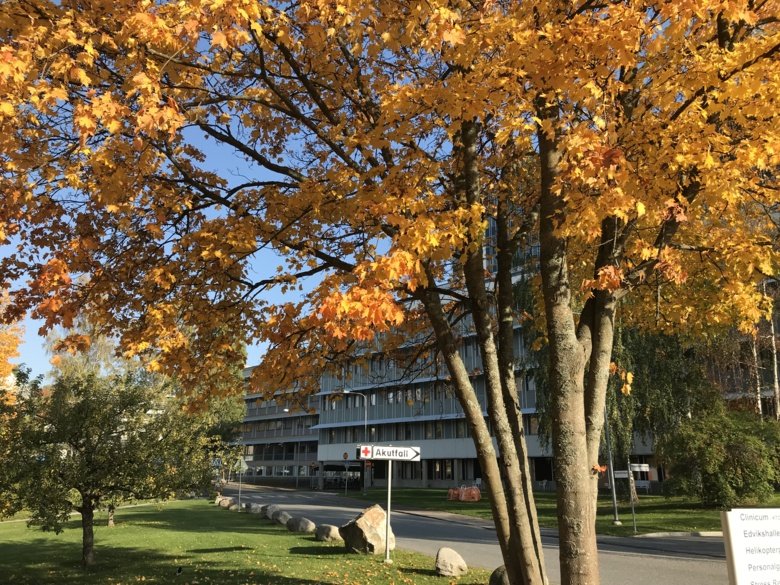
(460, 429)
(390, 396)
(439, 429)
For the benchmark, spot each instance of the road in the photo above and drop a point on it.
(639, 561)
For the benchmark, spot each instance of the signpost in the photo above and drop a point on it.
(241, 468)
(752, 538)
(388, 453)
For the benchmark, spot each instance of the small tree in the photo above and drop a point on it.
(95, 436)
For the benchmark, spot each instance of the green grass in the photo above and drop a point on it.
(653, 513)
(211, 545)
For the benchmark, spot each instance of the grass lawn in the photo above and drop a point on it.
(149, 543)
(653, 513)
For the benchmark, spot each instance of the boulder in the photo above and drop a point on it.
(218, 499)
(281, 517)
(327, 533)
(234, 508)
(449, 563)
(300, 524)
(366, 533)
(226, 503)
(499, 577)
(255, 508)
(270, 509)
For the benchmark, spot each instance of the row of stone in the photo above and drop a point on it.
(364, 534)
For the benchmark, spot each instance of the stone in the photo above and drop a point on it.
(226, 503)
(218, 499)
(327, 533)
(449, 563)
(499, 577)
(366, 533)
(234, 508)
(301, 524)
(269, 511)
(281, 517)
(255, 508)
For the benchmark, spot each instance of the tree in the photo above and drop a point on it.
(375, 144)
(95, 437)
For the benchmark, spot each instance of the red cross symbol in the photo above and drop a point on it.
(366, 451)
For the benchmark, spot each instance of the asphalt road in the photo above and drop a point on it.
(640, 561)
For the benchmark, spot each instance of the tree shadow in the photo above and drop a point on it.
(47, 562)
(318, 551)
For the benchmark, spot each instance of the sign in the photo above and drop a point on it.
(621, 474)
(383, 453)
(752, 537)
(241, 465)
(640, 467)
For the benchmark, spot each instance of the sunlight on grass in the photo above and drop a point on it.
(193, 542)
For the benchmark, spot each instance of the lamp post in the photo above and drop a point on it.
(295, 456)
(365, 430)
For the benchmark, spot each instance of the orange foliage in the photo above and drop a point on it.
(343, 115)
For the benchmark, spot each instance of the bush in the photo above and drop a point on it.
(723, 458)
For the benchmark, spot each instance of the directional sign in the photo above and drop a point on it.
(241, 465)
(389, 453)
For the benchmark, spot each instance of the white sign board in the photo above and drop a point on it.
(640, 467)
(621, 474)
(389, 453)
(752, 537)
(241, 465)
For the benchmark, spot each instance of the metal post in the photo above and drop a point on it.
(387, 524)
(631, 491)
(297, 467)
(616, 521)
(365, 439)
(239, 489)
(365, 432)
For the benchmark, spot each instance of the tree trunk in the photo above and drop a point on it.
(574, 473)
(111, 510)
(87, 510)
(756, 375)
(523, 536)
(516, 557)
(775, 374)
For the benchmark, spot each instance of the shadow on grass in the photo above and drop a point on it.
(419, 572)
(46, 562)
(219, 549)
(318, 551)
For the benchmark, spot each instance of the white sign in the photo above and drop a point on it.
(621, 474)
(752, 537)
(640, 467)
(389, 453)
(241, 465)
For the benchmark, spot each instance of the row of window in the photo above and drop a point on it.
(427, 430)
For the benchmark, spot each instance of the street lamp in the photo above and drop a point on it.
(365, 430)
(295, 456)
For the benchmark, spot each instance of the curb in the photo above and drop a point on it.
(703, 533)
